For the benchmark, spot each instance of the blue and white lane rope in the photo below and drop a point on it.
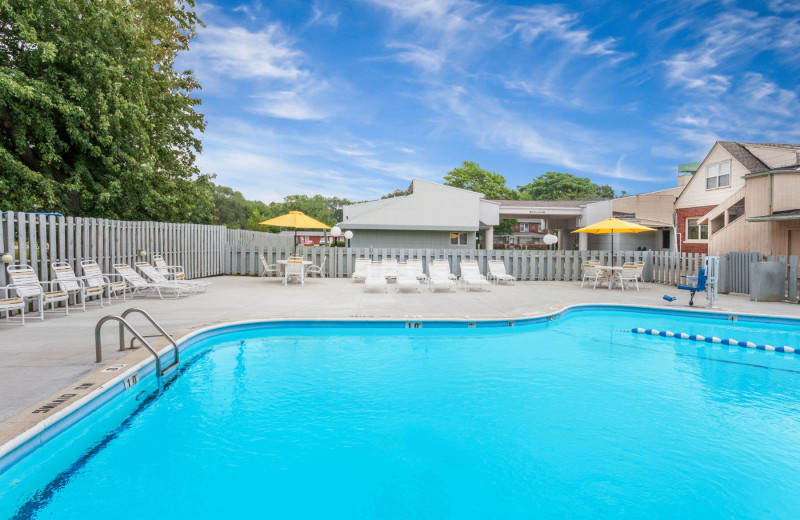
(713, 339)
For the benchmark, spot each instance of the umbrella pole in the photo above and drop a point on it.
(294, 251)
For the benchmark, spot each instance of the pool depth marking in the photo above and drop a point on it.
(714, 339)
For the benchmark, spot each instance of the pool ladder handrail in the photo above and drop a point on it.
(123, 324)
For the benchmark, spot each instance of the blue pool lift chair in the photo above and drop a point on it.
(700, 285)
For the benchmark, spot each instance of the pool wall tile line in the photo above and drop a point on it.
(43, 432)
(713, 339)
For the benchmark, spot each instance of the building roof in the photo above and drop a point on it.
(744, 156)
(791, 146)
(795, 168)
(790, 214)
(543, 203)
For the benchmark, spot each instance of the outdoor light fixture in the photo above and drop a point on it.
(348, 235)
(336, 231)
(550, 239)
(7, 258)
(143, 253)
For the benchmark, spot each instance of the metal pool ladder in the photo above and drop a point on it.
(123, 324)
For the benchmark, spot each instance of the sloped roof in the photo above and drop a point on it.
(790, 146)
(744, 156)
(543, 203)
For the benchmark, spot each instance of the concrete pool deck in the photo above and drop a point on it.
(45, 357)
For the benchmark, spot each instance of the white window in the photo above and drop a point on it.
(696, 231)
(523, 227)
(458, 239)
(718, 175)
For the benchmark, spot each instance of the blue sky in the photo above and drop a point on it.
(354, 98)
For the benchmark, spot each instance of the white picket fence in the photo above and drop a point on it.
(40, 240)
(660, 267)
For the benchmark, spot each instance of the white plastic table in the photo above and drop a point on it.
(611, 273)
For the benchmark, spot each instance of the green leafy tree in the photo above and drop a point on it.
(395, 193)
(470, 176)
(94, 119)
(564, 186)
(325, 209)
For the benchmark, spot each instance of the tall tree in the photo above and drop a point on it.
(564, 186)
(94, 120)
(470, 176)
(325, 209)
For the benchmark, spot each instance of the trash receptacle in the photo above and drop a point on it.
(767, 281)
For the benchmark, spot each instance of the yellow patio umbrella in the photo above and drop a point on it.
(296, 220)
(613, 225)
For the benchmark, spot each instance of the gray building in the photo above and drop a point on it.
(431, 216)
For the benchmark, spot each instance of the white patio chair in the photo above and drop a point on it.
(360, 269)
(171, 272)
(72, 284)
(407, 277)
(441, 278)
(318, 269)
(592, 273)
(375, 278)
(640, 273)
(294, 270)
(419, 271)
(9, 304)
(27, 286)
(446, 264)
(389, 268)
(627, 275)
(138, 286)
(269, 268)
(186, 286)
(471, 276)
(497, 272)
(94, 277)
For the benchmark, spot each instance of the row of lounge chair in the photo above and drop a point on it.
(411, 275)
(161, 279)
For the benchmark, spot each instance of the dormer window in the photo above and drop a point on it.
(718, 175)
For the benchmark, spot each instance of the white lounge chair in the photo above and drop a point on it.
(9, 304)
(592, 273)
(419, 271)
(318, 269)
(389, 268)
(497, 272)
(360, 269)
(72, 284)
(445, 264)
(627, 275)
(375, 278)
(94, 277)
(138, 286)
(186, 286)
(407, 278)
(268, 268)
(440, 278)
(171, 272)
(27, 286)
(471, 276)
(294, 270)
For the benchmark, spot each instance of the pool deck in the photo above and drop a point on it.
(41, 359)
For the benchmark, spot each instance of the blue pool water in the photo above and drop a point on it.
(575, 418)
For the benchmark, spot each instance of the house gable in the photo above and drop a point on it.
(695, 194)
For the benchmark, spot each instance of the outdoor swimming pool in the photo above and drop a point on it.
(571, 418)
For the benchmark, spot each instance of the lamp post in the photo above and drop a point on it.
(550, 239)
(336, 232)
(348, 235)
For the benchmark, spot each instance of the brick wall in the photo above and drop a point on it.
(683, 214)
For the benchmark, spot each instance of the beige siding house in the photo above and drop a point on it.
(720, 181)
